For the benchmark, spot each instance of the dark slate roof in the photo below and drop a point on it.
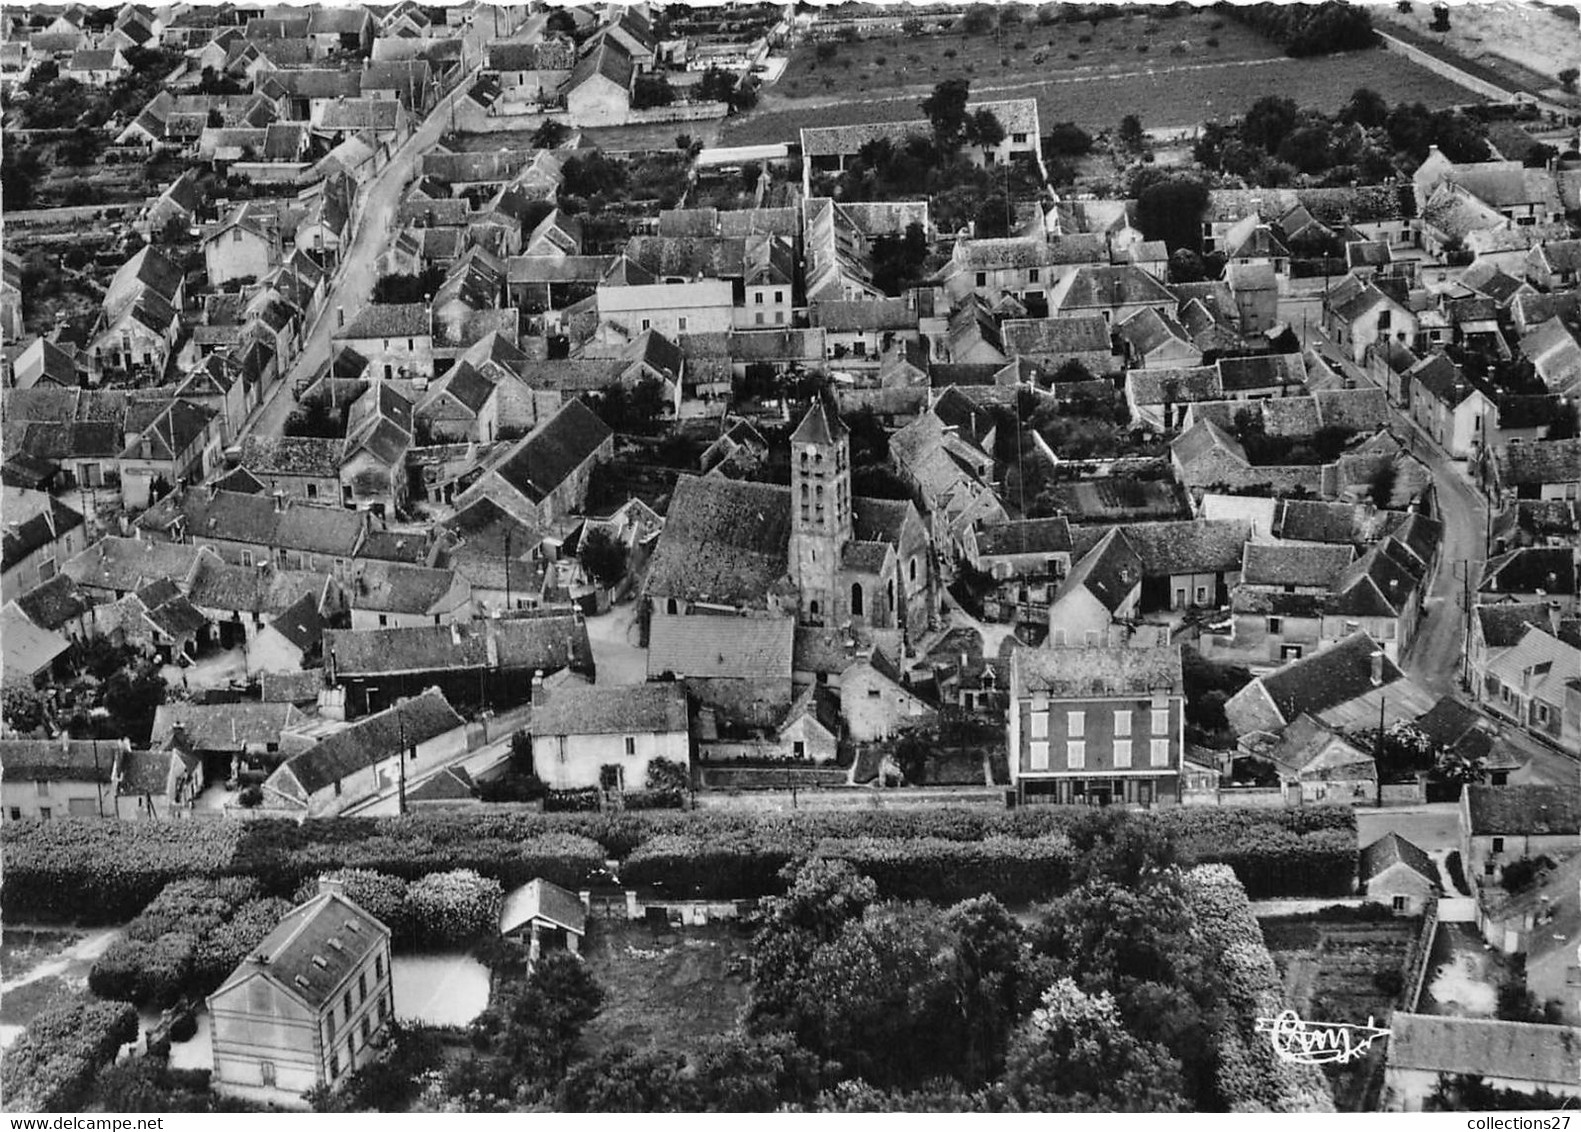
(221, 727)
(301, 623)
(544, 644)
(1331, 676)
(724, 541)
(542, 461)
(313, 950)
(1111, 570)
(38, 530)
(1391, 849)
(639, 708)
(880, 520)
(1530, 811)
(452, 784)
(1039, 336)
(1262, 371)
(1025, 536)
(608, 59)
(373, 739)
(255, 518)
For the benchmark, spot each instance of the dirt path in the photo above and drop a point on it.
(73, 960)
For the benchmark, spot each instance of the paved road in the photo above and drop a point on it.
(1436, 657)
(360, 267)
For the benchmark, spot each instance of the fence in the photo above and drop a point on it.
(1421, 957)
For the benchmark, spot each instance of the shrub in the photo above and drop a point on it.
(185, 1027)
(717, 868)
(454, 908)
(382, 896)
(1016, 870)
(52, 1064)
(1212, 41)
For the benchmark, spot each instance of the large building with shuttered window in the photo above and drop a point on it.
(1097, 726)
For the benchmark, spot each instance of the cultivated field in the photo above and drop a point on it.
(1108, 79)
(1524, 45)
(665, 986)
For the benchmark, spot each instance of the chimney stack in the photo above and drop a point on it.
(1377, 668)
(331, 884)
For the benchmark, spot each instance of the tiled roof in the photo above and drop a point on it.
(291, 455)
(372, 740)
(1110, 571)
(1391, 849)
(1025, 536)
(55, 602)
(1077, 673)
(1551, 570)
(747, 648)
(257, 519)
(1329, 677)
(58, 760)
(1294, 563)
(1201, 546)
(116, 563)
(608, 60)
(1523, 811)
(724, 541)
(1540, 462)
(1504, 624)
(222, 727)
(52, 521)
(544, 644)
(640, 708)
(1111, 287)
(1505, 1051)
(539, 463)
(1041, 336)
(542, 900)
(249, 589)
(389, 320)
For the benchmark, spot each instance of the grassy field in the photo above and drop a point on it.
(666, 987)
(1178, 81)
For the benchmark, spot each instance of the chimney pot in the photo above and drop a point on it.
(1377, 668)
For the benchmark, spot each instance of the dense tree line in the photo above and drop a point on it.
(1309, 29)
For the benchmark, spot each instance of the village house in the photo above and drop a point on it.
(250, 529)
(1075, 725)
(1398, 872)
(396, 594)
(1549, 469)
(1501, 824)
(543, 477)
(1316, 764)
(309, 1005)
(1423, 1049)
(57, 778)
(373, 459)
(365, 760)
(737, 669)
(1536, 683)
(495, 663)
(41, 533)
(1346, 685)
(609, 738)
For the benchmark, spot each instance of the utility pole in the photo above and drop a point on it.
(400, 727)
(1465, 588)
(507, 569)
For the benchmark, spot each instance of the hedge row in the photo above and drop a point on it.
(108, 871)
(52, 1064)
(1016, 870)
(186, 942)
(1251, 1077)
(101, 871)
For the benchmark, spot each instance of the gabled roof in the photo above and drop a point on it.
(1294, 563)
(1523, 811)
(658, 708)
(313, 950)
(1109, 287)
(1110, 571)
(540, 462)
(1539, 462)
(1024, 536)
(59, 760)
(724, 541)
(373, 739)
(1391, 849)
(1505, 623)
(753, 648)
(1533, 569)
(607, 60)
(51, 521)
(1041, 336)
(1329, 677)
(221, 727)
(542, 900)
(1505, 1051)
(55, 602)
(543, 644)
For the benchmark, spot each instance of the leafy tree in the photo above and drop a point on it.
(1470, 1093)
(1365, 108)
(543, 1025)
(317, 417)
(1171, 210)
(1075, 1052)
(823, 896)
(1567, 78)
(626, 1079)
(1267, 122)
(1131, 135)
(1069, 140)
(736, 1073)
(590, 174)
(1185, 266)
(978, 19)
(25, 709)
(20, 171)
(551, 134)
(456, 907)
(984, 128)
(1381, 487)
(945, 109)
(650, 91)
(418, 288)
(993, 216)
(560, 22)
(604, 557)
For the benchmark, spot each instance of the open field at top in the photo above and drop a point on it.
(1521, 46)
(1109, 80)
